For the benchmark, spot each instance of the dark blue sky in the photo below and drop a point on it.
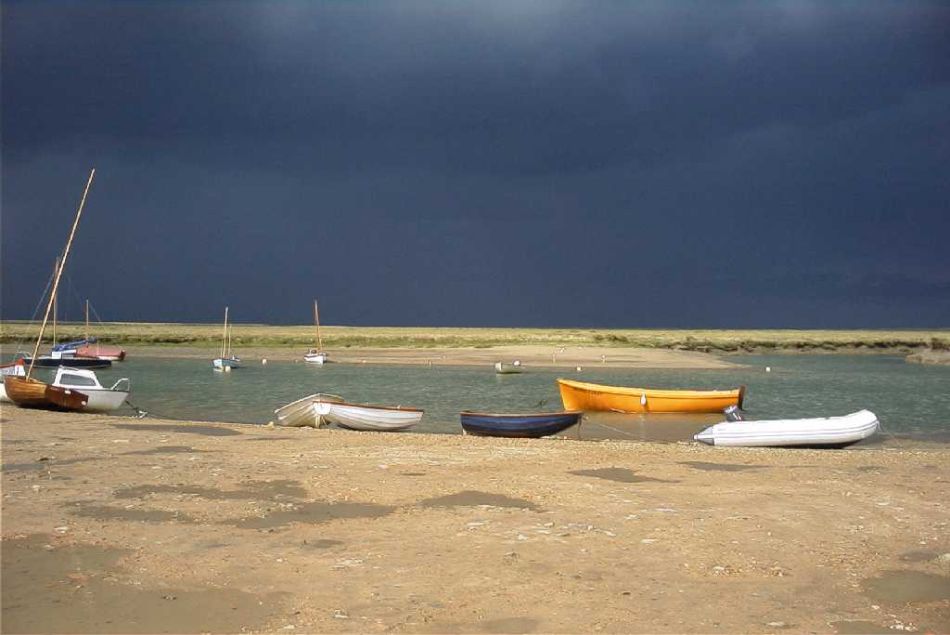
(536, 163)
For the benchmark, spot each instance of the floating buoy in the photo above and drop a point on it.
(264, 361)
(578, 369)
(768, 369)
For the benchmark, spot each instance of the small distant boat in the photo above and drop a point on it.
(304, 411)
(578, 395)
(99, 398)
(818, 432)
(316, 355)
(368, 417)
(534, 425)
(228, 360)
(50, 361)
(90, 346)
(501, 368)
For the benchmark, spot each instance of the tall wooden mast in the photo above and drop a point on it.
(59, 272)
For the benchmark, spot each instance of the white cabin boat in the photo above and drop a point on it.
(313, 356)
(823, 431)
(101, 399)
(369, 417)
(304, 411)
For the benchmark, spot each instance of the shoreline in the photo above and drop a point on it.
(118, 525)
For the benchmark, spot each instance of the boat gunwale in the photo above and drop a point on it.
(561, 413)
(377, 406)
(665, 393)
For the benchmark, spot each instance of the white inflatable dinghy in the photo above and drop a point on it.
(823, 431)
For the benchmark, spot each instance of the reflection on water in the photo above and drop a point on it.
(909, 399)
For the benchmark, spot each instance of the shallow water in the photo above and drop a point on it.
(909, 399)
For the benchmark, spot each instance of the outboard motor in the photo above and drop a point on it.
(732, 413)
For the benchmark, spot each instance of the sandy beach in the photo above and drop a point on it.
(119, 525)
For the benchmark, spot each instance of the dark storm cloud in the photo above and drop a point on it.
(453, 163)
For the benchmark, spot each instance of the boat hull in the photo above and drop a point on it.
(225, 363)
(502, 368)
(535, 425)
(819, 432)
(305, 412)
(315, 358)
(101, 351)
(370, 418)
(69, 362)
(577, 395)
(31, 393)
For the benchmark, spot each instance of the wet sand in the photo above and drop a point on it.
(529, 355)
(114, 525)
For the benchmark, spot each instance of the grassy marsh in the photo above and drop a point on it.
(262, 335)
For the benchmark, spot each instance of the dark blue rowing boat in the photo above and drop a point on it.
(539, 424)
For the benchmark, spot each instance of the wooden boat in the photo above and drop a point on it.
(534, 425)
(27, 391)
(578, 395)
(14, 368)
(100, 398)
(304, 411)
(818, 432)
(228, 360)
(514, 368)
(316, 355)
(368, 417)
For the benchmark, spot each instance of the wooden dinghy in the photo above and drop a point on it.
(369, 417)
(28, 392)
(578, 395)
(533, 425)
(818, 432)
(305, 411)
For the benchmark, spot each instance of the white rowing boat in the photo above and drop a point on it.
(822, 431)
(369, 417)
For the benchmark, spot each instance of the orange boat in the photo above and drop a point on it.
(579, 395)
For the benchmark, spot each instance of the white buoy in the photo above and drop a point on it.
(264, 361)
(768, 369)
(578, 369)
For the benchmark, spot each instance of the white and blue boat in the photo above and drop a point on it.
(228, 360)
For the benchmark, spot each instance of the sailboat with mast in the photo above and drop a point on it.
(316, 355)
(26, 390)
(90, 348)
(228, 360)
(64, 354)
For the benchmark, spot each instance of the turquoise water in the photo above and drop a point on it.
(910, 399)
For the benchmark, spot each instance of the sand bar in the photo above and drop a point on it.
(119, 525)
(530, 355)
